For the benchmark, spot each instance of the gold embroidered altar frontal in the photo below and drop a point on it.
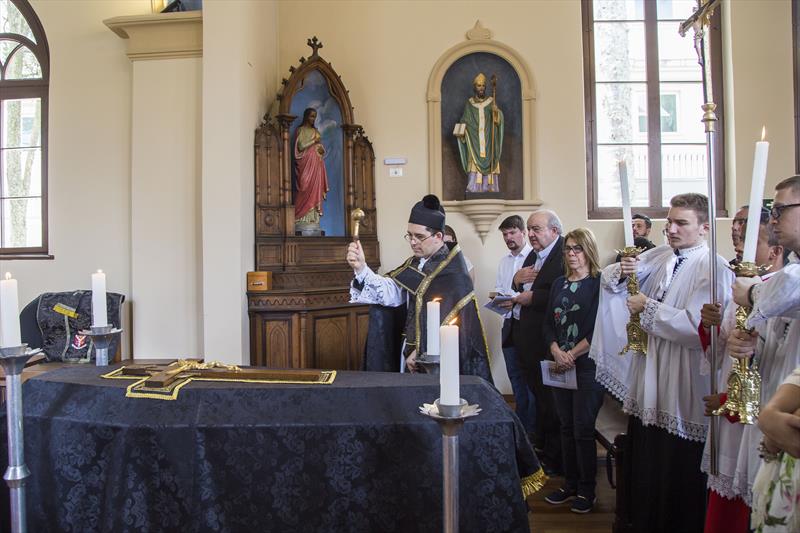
(164, 382)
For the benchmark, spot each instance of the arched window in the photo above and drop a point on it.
(24, 84)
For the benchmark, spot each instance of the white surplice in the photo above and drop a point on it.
(737, 451)
(664, 388)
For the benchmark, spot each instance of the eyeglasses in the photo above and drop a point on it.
(777, 210)
(577, 249)
(410, 237)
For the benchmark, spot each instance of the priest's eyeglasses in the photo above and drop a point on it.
(412, 237)
(577, 249)
(777, 210)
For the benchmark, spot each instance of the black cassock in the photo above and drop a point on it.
(443, 276)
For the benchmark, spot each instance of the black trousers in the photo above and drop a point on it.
(547, 435)
(667, 487)
(577, 411)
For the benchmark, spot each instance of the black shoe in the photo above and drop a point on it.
(560, 496)
(582, 504)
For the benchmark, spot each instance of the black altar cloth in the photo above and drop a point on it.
(353, 456)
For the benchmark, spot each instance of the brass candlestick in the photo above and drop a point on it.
(744, 383)
(357, 216)
(637, 338)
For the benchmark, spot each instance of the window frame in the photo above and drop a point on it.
(796, 77)
(594, 211)
(32, 88)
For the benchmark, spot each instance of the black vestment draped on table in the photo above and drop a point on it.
(444, 275)
(351, 456)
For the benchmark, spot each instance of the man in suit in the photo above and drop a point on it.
(533, 281)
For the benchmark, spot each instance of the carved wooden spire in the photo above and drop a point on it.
(315, 45)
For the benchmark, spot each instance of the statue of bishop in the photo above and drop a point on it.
(480, 138)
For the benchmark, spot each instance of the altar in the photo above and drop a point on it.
(353, 455)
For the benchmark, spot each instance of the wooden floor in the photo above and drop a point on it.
(546, 518)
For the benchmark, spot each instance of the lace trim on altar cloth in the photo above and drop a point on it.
(613, 385)
(648, 316)
(533, 483)
(674, 425)
(727, 486)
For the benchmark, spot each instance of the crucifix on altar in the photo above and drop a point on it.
(164, 381)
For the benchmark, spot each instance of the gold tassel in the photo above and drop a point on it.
(533, 483)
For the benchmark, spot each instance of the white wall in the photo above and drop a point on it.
(239, 80)
(165, 208)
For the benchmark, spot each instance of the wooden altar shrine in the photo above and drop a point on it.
(304, 320)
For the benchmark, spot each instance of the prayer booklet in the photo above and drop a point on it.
(563, 380)
(460, 129)
(493, 304)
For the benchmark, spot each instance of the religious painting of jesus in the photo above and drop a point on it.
(481, 129)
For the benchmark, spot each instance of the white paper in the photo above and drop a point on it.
(563, 380)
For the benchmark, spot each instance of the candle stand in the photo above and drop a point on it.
(13, 359)
(450, 419)
(744, 384)
(101, 338)
(430, 363)
(637, 338)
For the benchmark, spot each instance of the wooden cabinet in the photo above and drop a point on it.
(316, 329)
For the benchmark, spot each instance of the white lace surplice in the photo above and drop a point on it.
(665, 388)
(738, 459)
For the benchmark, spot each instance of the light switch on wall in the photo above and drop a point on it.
(396, 172)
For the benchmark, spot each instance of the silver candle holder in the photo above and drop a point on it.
(13, 359)
(101, 339)
(430, 363)
(450, 419)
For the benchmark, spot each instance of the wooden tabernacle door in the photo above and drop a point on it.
(304, 320)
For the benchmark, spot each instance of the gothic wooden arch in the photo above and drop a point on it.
(298, 75)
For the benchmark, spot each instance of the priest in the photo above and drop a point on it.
(434, 271)
(664, 389)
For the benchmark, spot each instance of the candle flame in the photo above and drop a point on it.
(453, 322)
(437, 299)
(763, 133)
(8, 275)
(99, 270)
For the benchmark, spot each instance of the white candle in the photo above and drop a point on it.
(627, 219)
(448, 367)
(9, 313)
(756, 198)
(433, 322)
(99, 312)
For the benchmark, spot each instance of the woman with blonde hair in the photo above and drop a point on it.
(568, 327)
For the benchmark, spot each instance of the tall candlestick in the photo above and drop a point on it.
(756, 198)
(433, 321)
(627, 219)
(449, 393)
(99, 312)
(9, 313)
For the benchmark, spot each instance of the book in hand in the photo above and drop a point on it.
(495, 299)
(567, 379)
(460, 129)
